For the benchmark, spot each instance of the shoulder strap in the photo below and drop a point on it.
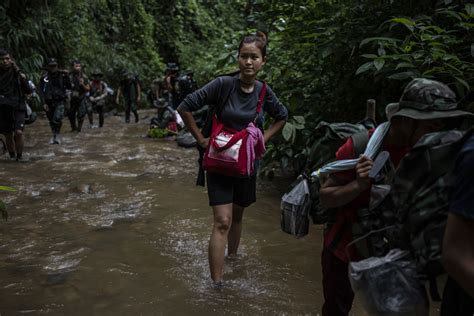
(263, 92)
(227, 90)
(360, 141)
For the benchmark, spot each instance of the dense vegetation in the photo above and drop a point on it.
(325, 58)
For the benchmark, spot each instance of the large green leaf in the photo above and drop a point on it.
(365, 67)
(470, 9)
(288, 131)
(378, 63)
(410, 24)
(378, 39)
(403, 75)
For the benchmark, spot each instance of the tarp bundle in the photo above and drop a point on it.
(371, 151)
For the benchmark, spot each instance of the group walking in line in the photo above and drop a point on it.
(419, 178)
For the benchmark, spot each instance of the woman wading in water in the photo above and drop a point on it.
(233, 99)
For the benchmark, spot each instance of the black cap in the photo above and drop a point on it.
(52, 62)
(172, 66)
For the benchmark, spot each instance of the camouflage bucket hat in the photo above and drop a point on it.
(425, 99)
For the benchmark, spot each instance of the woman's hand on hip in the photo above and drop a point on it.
(204, 142)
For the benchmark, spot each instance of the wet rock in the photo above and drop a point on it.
(86, 188)
(56, 278)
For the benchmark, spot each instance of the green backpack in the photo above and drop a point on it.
(329, 137)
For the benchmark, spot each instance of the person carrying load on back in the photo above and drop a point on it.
(236, 102)
(13, 89)
(53, 86)
(165, 120)
(185, 84)
(131, 91)
(98, 94)
(80, 88)
(425, 106)
(458, 249)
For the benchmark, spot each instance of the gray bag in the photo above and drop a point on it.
(295, 207)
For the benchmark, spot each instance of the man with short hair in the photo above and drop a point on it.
(425, 106)
(13, 88)
(53, 86)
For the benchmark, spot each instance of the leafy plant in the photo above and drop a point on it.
(438, 46)
(158, 132)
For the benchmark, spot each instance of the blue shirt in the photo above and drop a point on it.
(462, 199)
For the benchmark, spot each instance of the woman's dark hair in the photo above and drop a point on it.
(260, 40)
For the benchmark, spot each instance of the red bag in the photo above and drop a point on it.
(227, 150)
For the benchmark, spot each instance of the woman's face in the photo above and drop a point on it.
(250, 60)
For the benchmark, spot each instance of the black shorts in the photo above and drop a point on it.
(12, 120)
(224, 190)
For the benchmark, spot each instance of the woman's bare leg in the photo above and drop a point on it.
(235, 230)
(220, 231)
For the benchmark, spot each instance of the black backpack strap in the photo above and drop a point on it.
(360, 141)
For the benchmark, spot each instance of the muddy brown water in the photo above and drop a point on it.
(110, 223)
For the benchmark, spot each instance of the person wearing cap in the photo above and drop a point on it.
(425, 106)
(131, 91)
(98, 94)
(170, 84)
(52, 90)
(13, 90)
(78, 104)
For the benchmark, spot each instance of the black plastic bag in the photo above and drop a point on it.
(389, 285)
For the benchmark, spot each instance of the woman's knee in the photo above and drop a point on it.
(222, 223)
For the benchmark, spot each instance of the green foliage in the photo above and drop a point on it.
(137, 35)
(325, 58)
(438, 46)
(158, 132)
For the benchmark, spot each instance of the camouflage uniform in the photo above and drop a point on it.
(413, 200)
(53, 86)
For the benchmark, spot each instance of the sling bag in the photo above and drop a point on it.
(227, 151)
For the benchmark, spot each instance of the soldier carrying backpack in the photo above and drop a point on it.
(13, 91)
(53, 86)
(426, 106)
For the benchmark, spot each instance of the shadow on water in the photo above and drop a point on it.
(110, 223)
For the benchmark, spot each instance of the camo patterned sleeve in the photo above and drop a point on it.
(462, 199)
